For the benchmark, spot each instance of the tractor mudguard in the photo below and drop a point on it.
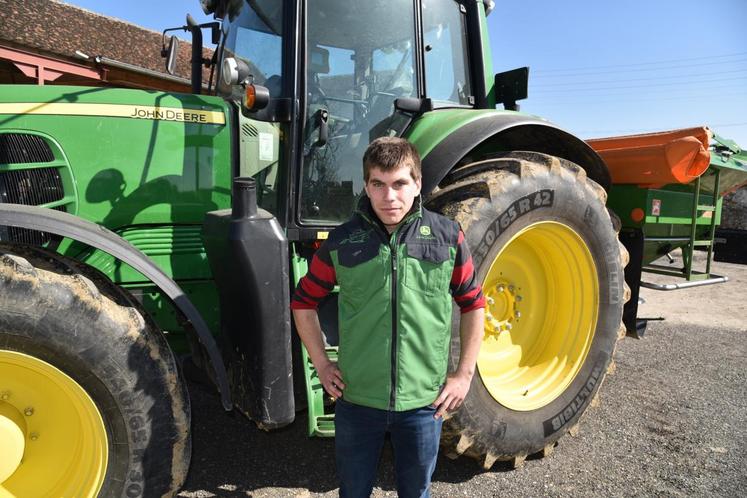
(67, 225)
(503, 132)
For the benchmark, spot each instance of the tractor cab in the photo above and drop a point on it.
(331, 72)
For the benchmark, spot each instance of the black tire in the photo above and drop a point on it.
(483, 197)
(71, 317)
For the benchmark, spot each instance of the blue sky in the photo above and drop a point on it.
(597, 67)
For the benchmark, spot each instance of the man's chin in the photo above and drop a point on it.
(390, 218)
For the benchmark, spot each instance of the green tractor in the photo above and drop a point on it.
(138, 227)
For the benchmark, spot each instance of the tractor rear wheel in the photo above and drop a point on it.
(551, 268)
(91, 400)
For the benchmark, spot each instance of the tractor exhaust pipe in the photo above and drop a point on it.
(197, 60)
(244, 202)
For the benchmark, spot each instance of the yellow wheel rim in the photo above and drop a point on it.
(543, 296)
(55, 435)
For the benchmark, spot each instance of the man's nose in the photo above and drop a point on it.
(390, 194)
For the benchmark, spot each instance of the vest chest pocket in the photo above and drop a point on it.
(426, 268)
(360, 271)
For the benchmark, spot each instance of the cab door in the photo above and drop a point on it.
(360, 56)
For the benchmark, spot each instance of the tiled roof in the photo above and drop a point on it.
(51, 27)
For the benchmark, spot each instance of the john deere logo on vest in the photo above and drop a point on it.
(425, 233)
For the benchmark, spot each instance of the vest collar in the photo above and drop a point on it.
(365, 211)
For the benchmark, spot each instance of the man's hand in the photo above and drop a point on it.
(331, 378)
(453, 394)
(457, 384)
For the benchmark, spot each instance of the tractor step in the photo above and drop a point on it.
(321, 417)
(321, 405)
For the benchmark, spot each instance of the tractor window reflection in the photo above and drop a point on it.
(445, 36)
(255, 36)
(337, 82)
(267, 49)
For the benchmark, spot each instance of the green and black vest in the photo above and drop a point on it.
(394, 306)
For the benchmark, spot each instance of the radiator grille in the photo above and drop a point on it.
(24, 148)
(31, 187)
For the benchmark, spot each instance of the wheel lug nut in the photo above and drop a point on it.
(501, 288)
(518, 298)
(28, 411)
(509, 326)
(34, 436)
(5, 395)
(511, 289)
(518, 314)
(491, 301)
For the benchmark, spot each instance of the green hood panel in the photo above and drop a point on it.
(136, 156)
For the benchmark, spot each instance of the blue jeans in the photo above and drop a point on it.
(359, 438)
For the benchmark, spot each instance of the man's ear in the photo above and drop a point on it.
(419, 184)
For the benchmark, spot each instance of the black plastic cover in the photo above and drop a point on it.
(248, 254)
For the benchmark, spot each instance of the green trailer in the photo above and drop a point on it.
(667, 192)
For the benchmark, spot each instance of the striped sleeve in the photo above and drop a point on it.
(317, 283)
(464, 285)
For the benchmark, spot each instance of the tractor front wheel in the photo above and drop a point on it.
(551, 268)
(91, 401)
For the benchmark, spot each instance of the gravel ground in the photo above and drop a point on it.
(671, 422)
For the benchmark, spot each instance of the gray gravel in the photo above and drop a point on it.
(670, 422)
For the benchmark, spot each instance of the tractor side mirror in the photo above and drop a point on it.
(412, 105)
(171, 54)
(406, 110)
(511, 86)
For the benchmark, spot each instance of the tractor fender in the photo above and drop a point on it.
(505, 132)
(67, 225)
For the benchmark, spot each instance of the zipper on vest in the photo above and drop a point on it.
(393, 240)
(392, 395)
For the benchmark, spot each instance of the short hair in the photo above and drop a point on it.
(389, 154)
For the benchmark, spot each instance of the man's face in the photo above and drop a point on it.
(392, 194)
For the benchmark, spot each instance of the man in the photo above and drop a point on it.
(398, 266)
